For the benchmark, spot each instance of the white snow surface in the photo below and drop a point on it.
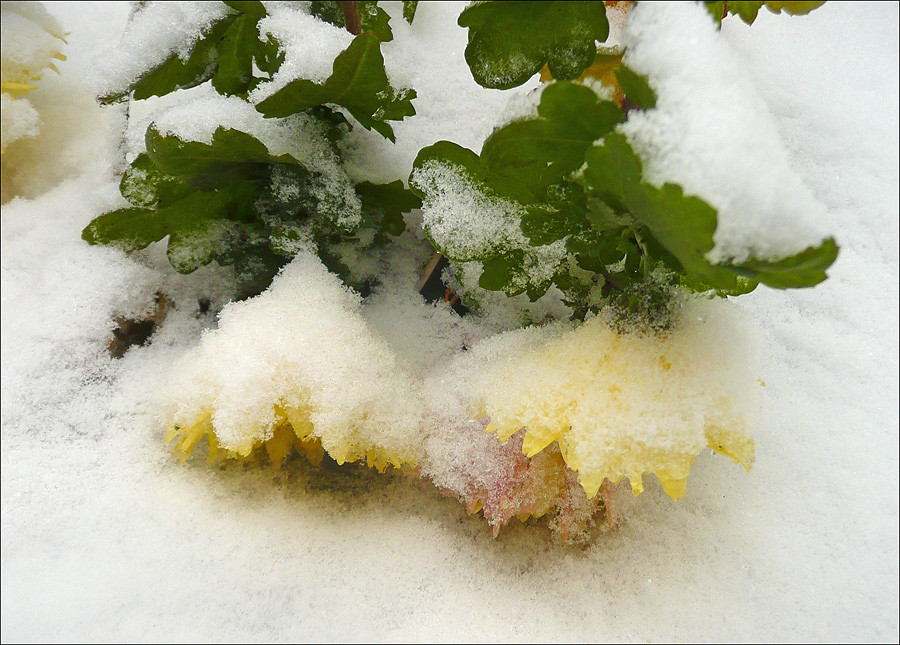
(106, 537)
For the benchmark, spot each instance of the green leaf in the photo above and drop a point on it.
(603, 219)
(543, 225)
(252, 8)
(175, 73)
(231, 155)
(235, 56)
(375, 19)
(595, 252)
(224, 54)
(562, 214)
(146, 187)
(636, 87)
(805, 269)
(610, 166)
(384, 205)
(523, 159)
(462, 159)
(129, 229)
(533, 154)
(409, 9)
(268, 56)
(203, 224)
(499, 272)
(716, 10)
(509, 42)
(683, 226)
(746, 9)
(358, 82)
(329, 11)
(793, 7)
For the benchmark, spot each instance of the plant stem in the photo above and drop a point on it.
(351, 16)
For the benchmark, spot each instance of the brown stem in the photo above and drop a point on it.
(351, 16)
(430, 268)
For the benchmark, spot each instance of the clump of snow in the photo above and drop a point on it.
(466, 223)
(19, 120)
(155, 31)
(309, 45)
(462, 220)
(711, 133)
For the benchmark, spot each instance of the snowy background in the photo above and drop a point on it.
(105, 536)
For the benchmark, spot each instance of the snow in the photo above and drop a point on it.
(463, 221)
(20, 120)
(102, 524)
(320, 365)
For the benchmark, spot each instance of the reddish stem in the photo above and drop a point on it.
(351, 16)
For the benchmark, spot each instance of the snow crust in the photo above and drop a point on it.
(461, 219)
(712, 133)
(100, 523)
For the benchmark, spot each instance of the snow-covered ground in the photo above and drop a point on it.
(105, 536)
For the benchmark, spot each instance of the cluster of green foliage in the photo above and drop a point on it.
(577, 179)
(749, 9)
(567, 173)
(226, 201)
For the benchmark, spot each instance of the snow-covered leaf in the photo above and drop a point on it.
(509, 42)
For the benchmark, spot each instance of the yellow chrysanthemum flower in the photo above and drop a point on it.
(623, 405)
(29, 45)
(295, 365)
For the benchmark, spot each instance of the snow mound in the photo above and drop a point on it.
(397, 381)
(299, 354)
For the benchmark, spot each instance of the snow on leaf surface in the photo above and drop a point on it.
(712, 134)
